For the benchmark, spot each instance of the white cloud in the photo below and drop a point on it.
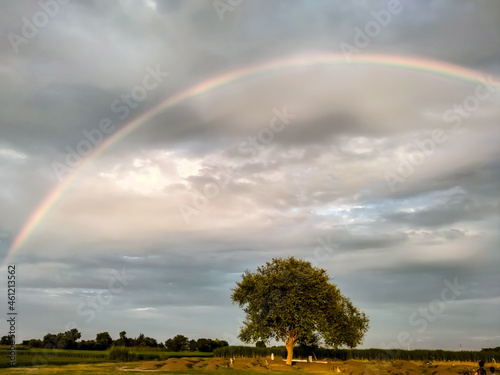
(12, 154)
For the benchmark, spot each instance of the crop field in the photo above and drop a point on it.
(41, 357)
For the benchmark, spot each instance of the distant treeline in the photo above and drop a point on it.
(103, 341)
(486, 355)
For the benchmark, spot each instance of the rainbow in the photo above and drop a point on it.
(417, 64)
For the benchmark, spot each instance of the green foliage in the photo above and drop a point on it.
(143, 341)
(178, 343)
(209, 345)
(309, 347)
(34, 343)
(260, 344)
(290, 300)
(121, 353)
(88, 345)
(66, 340)
(103, 340)
(203, 345)
(123, 340)
(140, 341)
(192, 345)
(5, 340)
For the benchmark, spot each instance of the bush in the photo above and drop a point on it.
(33, 343)
(121, 353)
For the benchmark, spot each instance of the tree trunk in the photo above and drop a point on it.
(290, 343)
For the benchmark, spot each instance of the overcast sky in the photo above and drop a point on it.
(183, 205)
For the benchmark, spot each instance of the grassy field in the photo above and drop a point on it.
(43, 361)
(276, 368)
(40, 357)
(36, 357)
(121, 369)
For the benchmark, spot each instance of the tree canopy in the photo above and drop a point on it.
(178, 343)
(290, 300)
(103, 340)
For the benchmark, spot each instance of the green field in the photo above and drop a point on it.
(124, 368)
(40, 357)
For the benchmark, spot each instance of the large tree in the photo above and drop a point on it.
(103, 340)
(290, 300)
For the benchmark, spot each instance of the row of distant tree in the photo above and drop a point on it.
(71, 340)
(182, 343)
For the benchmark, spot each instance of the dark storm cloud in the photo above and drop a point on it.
(460, 208)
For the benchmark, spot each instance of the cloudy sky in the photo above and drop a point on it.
(385, 175)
